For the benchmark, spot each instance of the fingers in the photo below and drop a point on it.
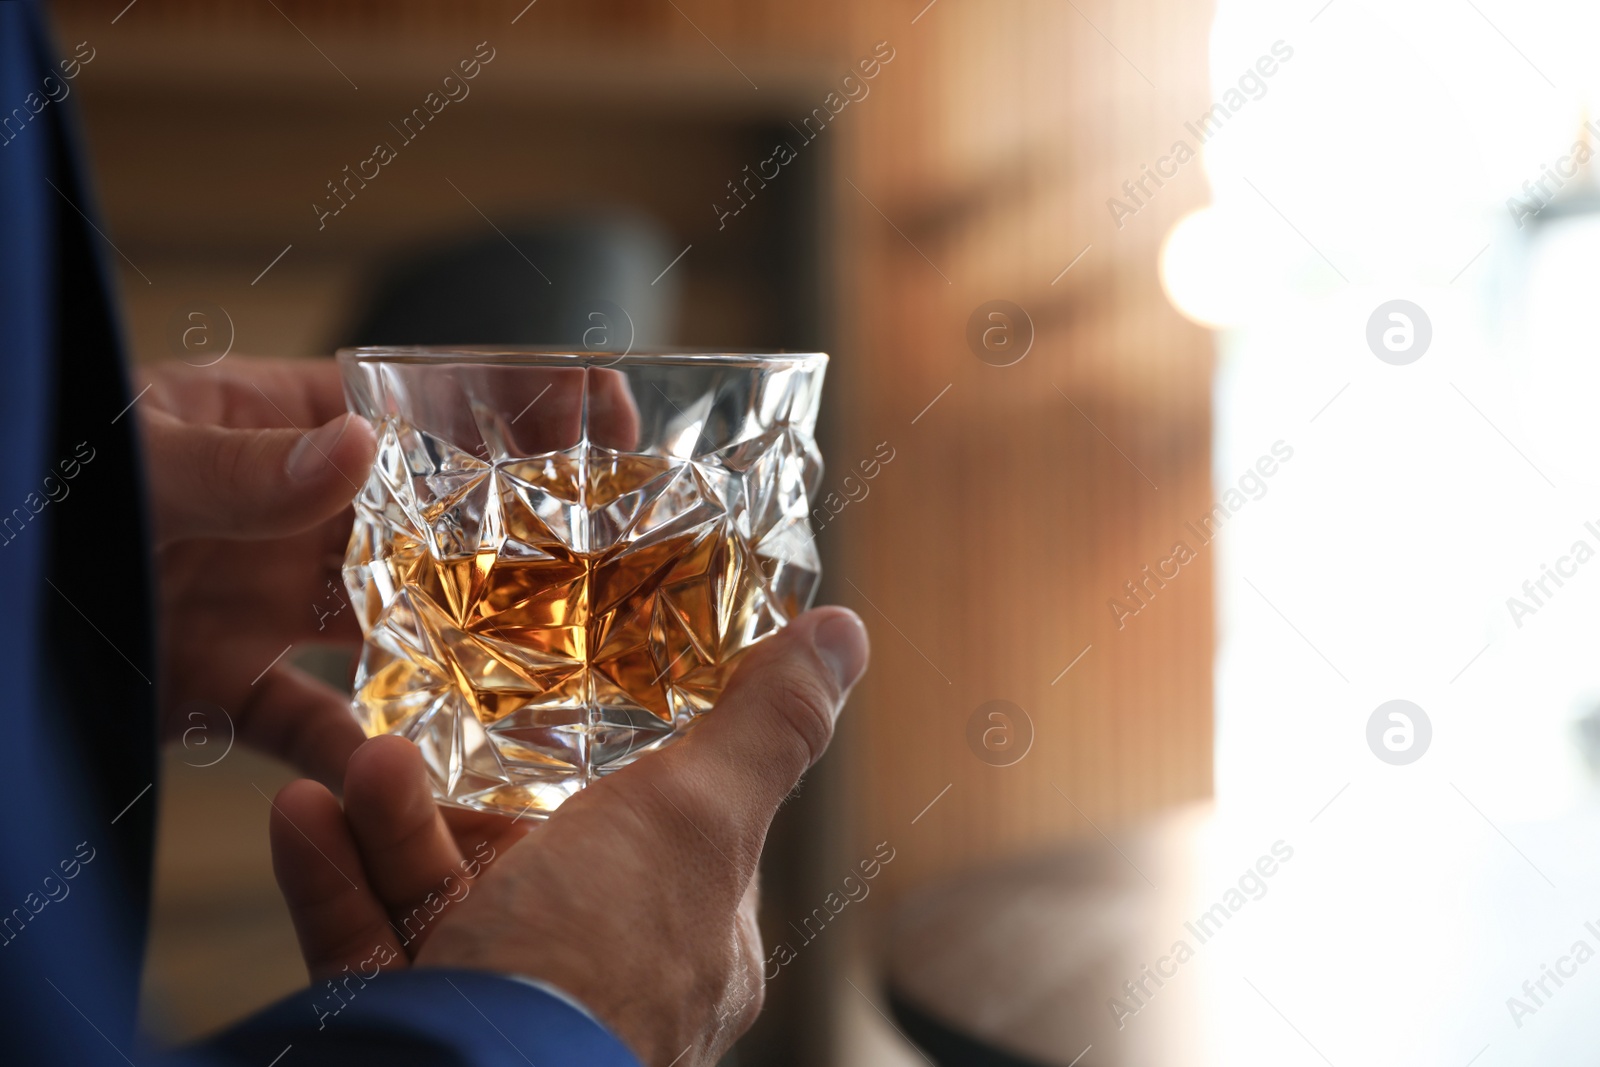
(365, 882)
(613, 416)
(406, 847)
(339, 921)
(772, 722)
(209, 481)
(250, 392)
(301, 720)
(543, 409)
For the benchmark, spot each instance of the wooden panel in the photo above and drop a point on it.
(986, 554)
(719, 55)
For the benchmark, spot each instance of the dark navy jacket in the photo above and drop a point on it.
(77, 664)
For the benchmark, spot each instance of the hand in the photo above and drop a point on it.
(251, 467)
(637, 896)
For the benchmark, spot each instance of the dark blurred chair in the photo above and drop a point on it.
(592, 283)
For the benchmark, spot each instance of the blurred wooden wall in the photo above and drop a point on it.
(1027, 495)
(978, 168)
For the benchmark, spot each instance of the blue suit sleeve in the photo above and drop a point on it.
(422, 1017)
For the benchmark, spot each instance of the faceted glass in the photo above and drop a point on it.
(560, 557)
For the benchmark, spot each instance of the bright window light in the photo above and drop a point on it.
(1422, 542)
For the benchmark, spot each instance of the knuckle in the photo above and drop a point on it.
(804, 705)
(750, 1008)
(345, 946)
(222, 463)
(165, 382)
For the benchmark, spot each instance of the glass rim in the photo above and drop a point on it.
(555, 356)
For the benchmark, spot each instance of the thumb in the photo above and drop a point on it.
(772, 722)
(210, 481)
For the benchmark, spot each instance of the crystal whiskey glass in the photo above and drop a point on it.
(560, 557)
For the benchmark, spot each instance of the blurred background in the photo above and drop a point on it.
(1235, 368)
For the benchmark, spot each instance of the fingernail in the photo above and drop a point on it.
(309, 457)
(841, 641)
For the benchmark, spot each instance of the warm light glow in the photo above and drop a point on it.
(1204, 272)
